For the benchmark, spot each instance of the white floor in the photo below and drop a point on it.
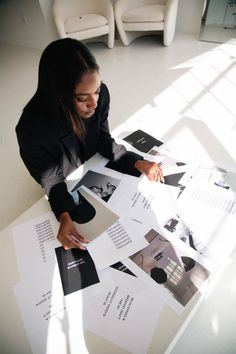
(191, 80)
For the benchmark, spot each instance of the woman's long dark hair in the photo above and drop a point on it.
(61, 67)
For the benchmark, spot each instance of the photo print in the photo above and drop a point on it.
(76, 268)
(177, 228)
(171, 267)
(122, 268)
(101, 185)
(93, 217)
(142, 141)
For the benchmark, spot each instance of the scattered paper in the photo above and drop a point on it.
(210, 211)
(177, 270)
(34, 243)
(118, 242)
(125, 313)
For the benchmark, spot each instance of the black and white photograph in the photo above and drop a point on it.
(173, 179)
(142, 141)
(176, 227)
(122, 268)
(171, 267)
(77, 269)
(93, 216)
(102, 185)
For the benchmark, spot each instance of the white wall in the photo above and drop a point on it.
(30, 23)
(46, 7)
(189, 16)
(22, 23)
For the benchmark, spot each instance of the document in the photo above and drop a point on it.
(77, 269)
(142, 141)
(119, 308)
(48, 325)
(95, 213)
(34, 243)
(118, 242)
(126, 312)
(141, 199)
(40, 234)
(100, 184)
(172, 225)
(209, 210)
(178, 270)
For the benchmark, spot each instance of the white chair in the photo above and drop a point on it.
(138, 17)
(84, 19)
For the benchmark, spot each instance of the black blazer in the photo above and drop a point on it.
(51, 150)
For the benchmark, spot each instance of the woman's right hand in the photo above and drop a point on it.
(68, 234)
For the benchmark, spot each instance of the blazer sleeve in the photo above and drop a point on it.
(121, 160)
(45, 169)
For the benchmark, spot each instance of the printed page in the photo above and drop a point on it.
(172, 267)
(210, 210)
(34, 243)
(141, 199)
(77, 269)
(120, 309)
(94, 214)
(118, 242)
(43, 310)
(126, 312)
(39, 234)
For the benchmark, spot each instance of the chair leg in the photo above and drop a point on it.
(110, 40)
(129, 37)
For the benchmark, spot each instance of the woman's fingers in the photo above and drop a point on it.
(69, 241)
(151, 169)
(155, 174)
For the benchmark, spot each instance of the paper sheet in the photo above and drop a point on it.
(34, 243)
(118, 242)
(178, 270)
(210, 211)
(141, 199)
(116, 309)
(125, 313)
(43, 310)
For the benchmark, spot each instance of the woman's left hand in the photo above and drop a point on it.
(150, 169)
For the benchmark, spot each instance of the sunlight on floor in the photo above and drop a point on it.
(215, 323)
(232, 289)
(65, 330)
(207, 91)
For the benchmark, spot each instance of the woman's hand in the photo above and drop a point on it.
(150, 169)
(68, 235)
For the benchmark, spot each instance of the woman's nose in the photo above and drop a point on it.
(92, 102)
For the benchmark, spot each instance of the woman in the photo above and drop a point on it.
(64, 124)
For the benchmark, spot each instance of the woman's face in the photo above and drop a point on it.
(87, 94)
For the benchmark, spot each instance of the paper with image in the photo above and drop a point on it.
(97, 215)
(178, 270)
(142, 141)
(77, 269)
(100, 184)
(210, 211)
(40, 234)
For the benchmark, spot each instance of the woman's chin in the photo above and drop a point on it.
(88, 114)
